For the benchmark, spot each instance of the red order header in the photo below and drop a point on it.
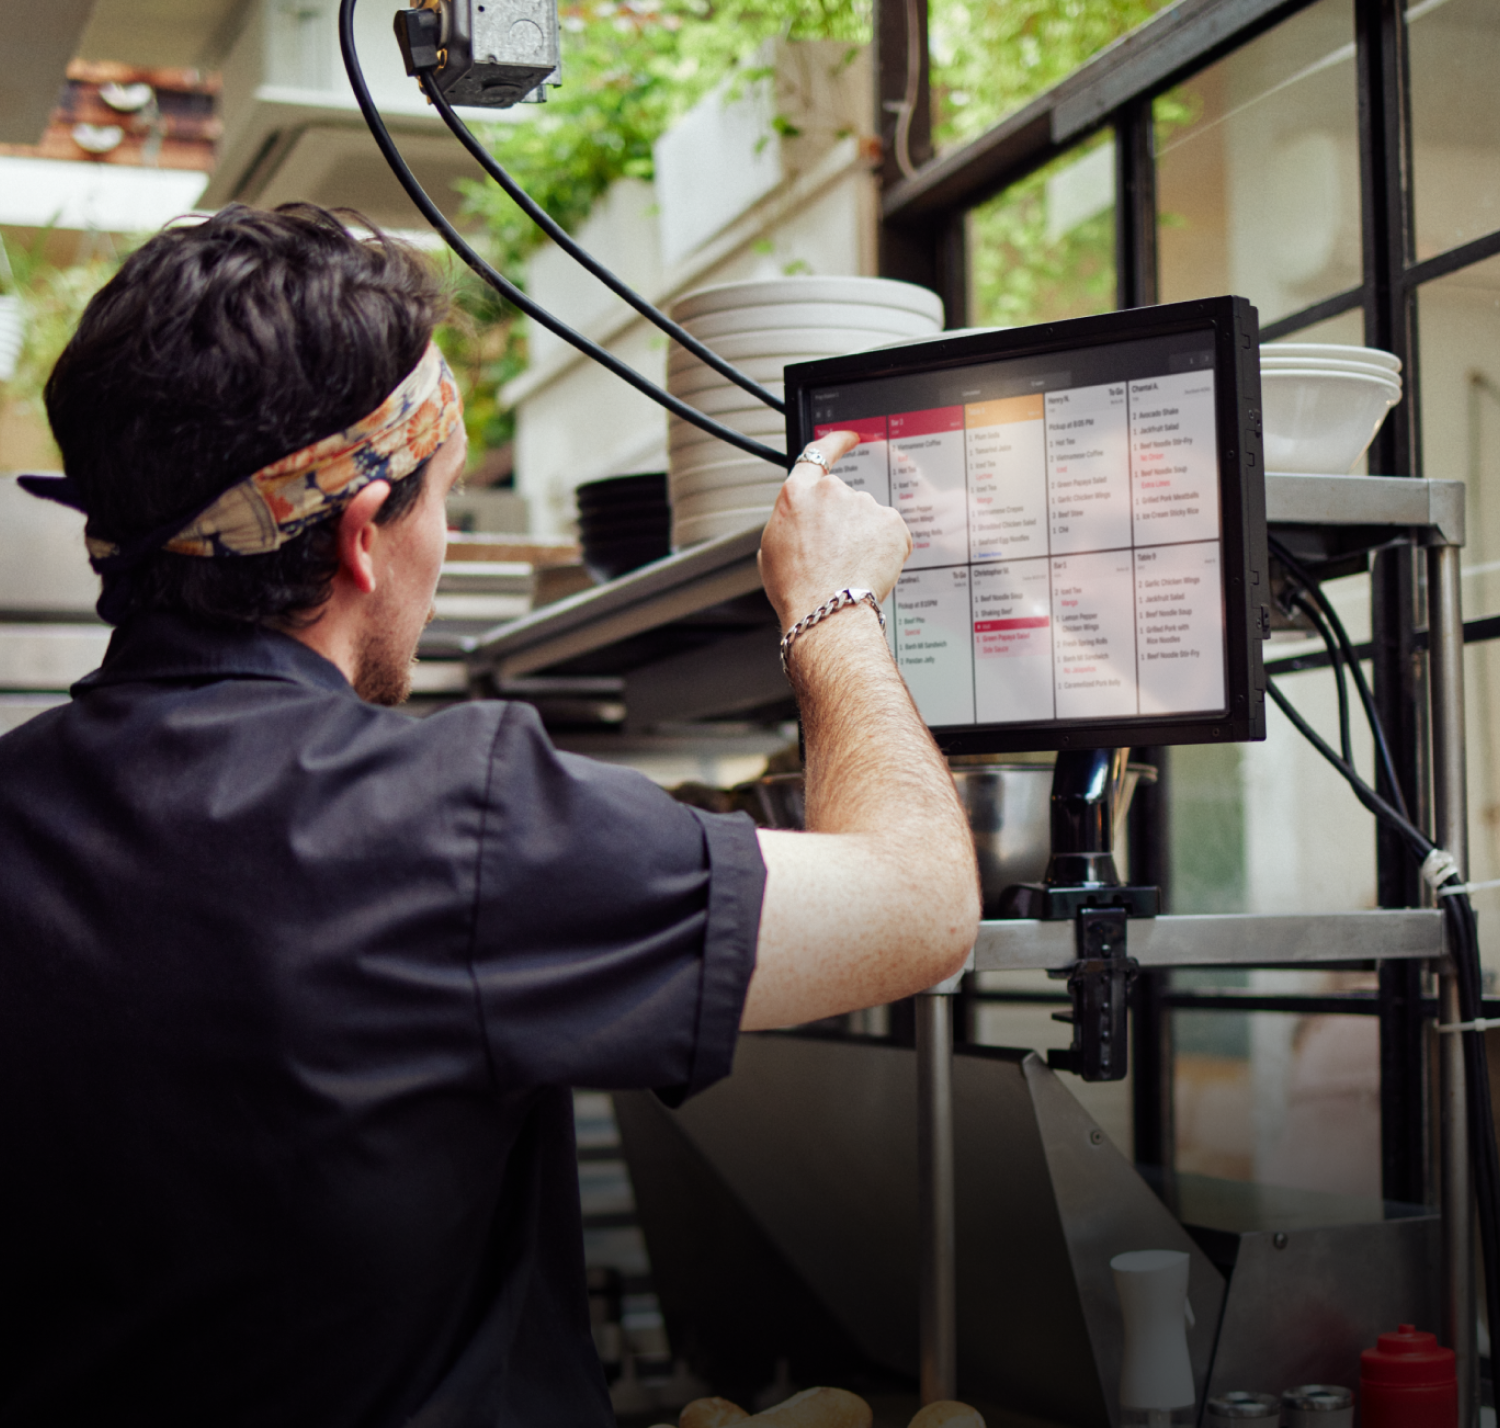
(928, 423)
(1021, 622)
(869, 428)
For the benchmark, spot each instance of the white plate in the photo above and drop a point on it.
(1321, 423)
(937, 337)
(760, 422)
(1332, 351)
(694, 529)
(701, 377)
(688, 453)
(726, 498)
(729, 399)
(885, 321)
(763, 292)
(1319, 364)
(789, 343)
(734, 469)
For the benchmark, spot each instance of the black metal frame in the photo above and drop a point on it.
(922, 239)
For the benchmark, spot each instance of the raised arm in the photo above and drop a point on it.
(880, 897)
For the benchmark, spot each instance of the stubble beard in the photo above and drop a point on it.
(383, 665)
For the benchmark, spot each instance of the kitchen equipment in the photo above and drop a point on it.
(624, 522)
(1408, 1381)
(1241, 1409)
(1156, 1375)
(1322, 422)
(1332, 351)
(1317, 1405)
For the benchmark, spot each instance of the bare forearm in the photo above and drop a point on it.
(880, 898)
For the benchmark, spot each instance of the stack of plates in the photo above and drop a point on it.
(717, 489)
(1324, 403)
(623, 522)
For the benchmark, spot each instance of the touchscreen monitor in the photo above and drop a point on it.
(1087, 512)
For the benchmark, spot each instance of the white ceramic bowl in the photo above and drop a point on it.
(1321, 423)
(694, 455)
(765, 292)
(726, 498)
(1321, 364)
(811, 316)
(1334, 351)
(694, 529)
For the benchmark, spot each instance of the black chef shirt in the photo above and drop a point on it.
(291, 991)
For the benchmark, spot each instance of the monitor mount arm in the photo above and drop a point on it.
(1083, 886)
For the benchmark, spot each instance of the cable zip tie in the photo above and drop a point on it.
(1453, 889)
(1483, 1023)
(1437, 867)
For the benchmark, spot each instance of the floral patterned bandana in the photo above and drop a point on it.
(280, 501)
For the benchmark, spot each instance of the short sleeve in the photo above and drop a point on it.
(615, 930)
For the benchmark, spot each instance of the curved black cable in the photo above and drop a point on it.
(564, 240)
(1336, 661)
(1299, 573)
(1463, 936)
(504, 286)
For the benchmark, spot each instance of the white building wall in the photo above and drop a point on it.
(575, 422)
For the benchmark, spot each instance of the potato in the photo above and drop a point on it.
(817, 1408)
(711, 1413)
(945, 1413)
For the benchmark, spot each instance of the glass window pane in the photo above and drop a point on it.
(1045, 247)
(1258, 169)
(1458, 327)
(1277, 1098)
(1454, 55)
(988, 60)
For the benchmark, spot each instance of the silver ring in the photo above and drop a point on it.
(811, 453)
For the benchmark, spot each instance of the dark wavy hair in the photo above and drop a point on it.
(219, 347)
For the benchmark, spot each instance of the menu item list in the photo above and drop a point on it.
(1065, 551)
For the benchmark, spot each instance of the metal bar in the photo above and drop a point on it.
(1228, 940)
(1334, 306)
(1463, 256)
(1135, 211)
(1435, 506)
(937, 1309)
(1450, 829)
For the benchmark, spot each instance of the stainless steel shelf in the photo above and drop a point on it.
(697, 579)
(1231, 940)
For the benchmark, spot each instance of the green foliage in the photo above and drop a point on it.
(630, 68)
(1019, 275)
(53, 300)
(989, 57)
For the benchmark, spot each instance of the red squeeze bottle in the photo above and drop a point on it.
(1408, 1380)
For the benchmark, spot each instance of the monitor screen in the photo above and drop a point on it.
(1078, 514)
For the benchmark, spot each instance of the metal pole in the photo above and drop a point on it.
(1450, 829)
(937, 1309)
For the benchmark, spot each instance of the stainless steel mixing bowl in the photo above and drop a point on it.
(1008, 806)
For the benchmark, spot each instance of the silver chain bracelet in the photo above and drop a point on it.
(850, 596)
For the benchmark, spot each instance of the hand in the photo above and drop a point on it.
(824, 536)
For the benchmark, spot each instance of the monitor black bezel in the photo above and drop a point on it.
(1234, 326)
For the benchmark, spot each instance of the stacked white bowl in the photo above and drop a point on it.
(717, 489)
(1324, 403)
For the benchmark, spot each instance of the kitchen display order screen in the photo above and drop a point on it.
(1066, 531)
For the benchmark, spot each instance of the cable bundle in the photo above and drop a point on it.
(1439, 870)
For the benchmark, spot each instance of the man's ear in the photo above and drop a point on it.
(357, 532)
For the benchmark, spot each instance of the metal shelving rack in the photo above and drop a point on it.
(731, 663)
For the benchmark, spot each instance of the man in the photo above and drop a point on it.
(292, 986)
